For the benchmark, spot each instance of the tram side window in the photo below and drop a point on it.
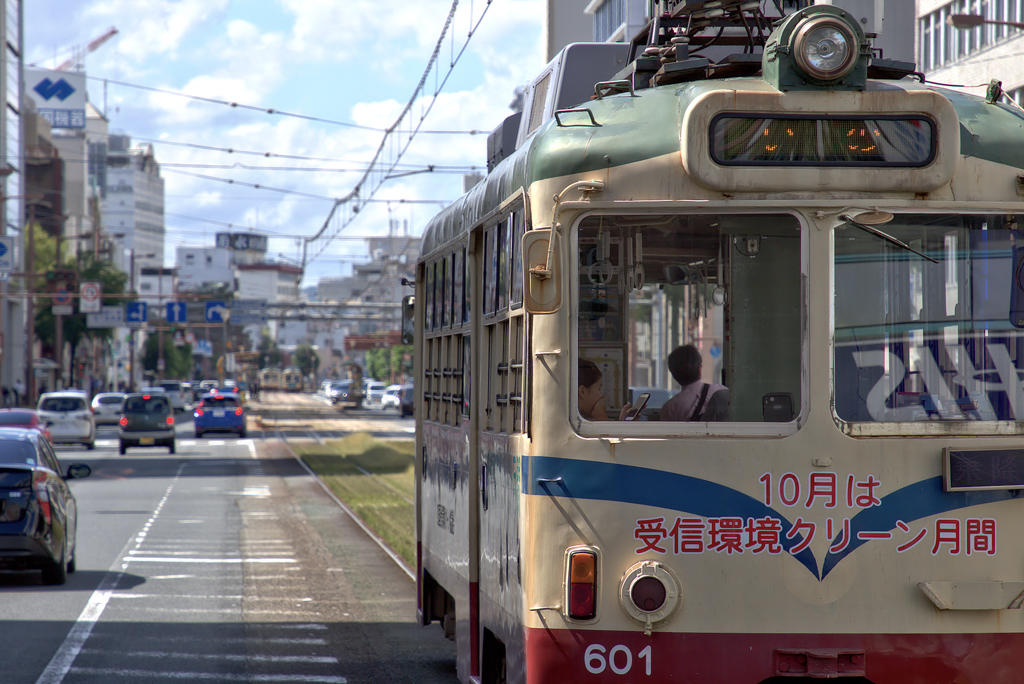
(935, 337)
(727, 284)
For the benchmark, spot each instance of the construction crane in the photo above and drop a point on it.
(80, 52)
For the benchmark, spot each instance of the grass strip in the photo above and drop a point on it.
(375, 478)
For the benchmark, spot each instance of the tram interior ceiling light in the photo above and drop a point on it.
(820, 46)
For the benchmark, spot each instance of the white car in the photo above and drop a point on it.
(106, 407)
(71, 420)
(373, 391)
(177, 394)
(391, 397)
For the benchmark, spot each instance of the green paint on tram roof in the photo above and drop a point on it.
(993, 132)
(630, 129)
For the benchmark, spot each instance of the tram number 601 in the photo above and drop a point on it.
(619, 660)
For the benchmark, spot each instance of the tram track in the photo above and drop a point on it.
(283, 438)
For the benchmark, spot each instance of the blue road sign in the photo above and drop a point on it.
(6, 253)
(135, 313)
(177, 312)
(216, 312)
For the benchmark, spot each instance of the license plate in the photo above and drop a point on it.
(145, 440)
(218, 413)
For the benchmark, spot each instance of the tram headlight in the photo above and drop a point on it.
(825, 48)
(650, 593)
(820, 46)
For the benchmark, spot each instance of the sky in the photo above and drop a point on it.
(337, 74)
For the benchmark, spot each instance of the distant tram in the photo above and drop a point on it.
(291, 380)
(842, 245)
(270, 379)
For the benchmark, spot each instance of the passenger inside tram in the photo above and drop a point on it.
(725, 286)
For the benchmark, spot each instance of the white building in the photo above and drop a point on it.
(133, 198)
(273, 282)
(199, 266)
(973, 57)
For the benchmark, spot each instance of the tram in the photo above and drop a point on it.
(842, 244)
(270, 379)
(291, 380)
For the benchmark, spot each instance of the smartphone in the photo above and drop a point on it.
(636, 408)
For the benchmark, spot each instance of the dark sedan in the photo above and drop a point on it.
(38, 513)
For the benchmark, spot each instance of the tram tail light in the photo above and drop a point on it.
(582, 585)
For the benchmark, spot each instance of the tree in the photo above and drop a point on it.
(177, 360)
(385, 363)
(305, 357)
(90, 269)
(270, 355)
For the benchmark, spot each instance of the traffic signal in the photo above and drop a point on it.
(62, 277)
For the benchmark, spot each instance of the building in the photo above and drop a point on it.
(133, 198)
(973, 57)
(202, 266)
(273, 282)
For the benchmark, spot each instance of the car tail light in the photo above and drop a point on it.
(238, 411)
(43, 494)
(582, 585)
(146, 397)
(123, 421)
(170, 420)
(199, 411)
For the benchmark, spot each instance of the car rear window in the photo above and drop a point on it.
(171, 386)
(218, 402)
(63, 404)
(15, 418)
(17, 452)
(144, 405)
(111, 400)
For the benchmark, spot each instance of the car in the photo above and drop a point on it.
(373, 391)
(219, 412)
(40, 516)
(207, 385)
(106, 407)
(176, 392)
(338, 391)
(71, 419)
(390, 398)
(147, 420)
(407, 401)
(24, 418)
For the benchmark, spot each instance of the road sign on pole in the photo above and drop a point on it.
(216, 312)
(177, 312)
(6, 254)
(89, 302)
(61, 301)
(135, 313)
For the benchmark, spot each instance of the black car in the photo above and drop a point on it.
(406, 401)
(38, 513)
(146, 420)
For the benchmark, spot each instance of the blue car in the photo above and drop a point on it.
(219, 412)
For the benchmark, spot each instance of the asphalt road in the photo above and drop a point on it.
(225, 562)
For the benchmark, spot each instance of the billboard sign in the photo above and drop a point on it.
(242, 241)
(59, 96)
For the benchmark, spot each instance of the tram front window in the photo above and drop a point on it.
(727, 284)
(930, 339)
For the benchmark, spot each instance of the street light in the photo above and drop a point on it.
(965, 22)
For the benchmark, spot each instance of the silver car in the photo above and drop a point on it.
(106, 407)
(71, 420)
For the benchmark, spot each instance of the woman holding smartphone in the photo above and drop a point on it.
(592, 401)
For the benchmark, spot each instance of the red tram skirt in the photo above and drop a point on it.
(561, 656)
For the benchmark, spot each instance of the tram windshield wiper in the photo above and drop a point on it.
(885, 236)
